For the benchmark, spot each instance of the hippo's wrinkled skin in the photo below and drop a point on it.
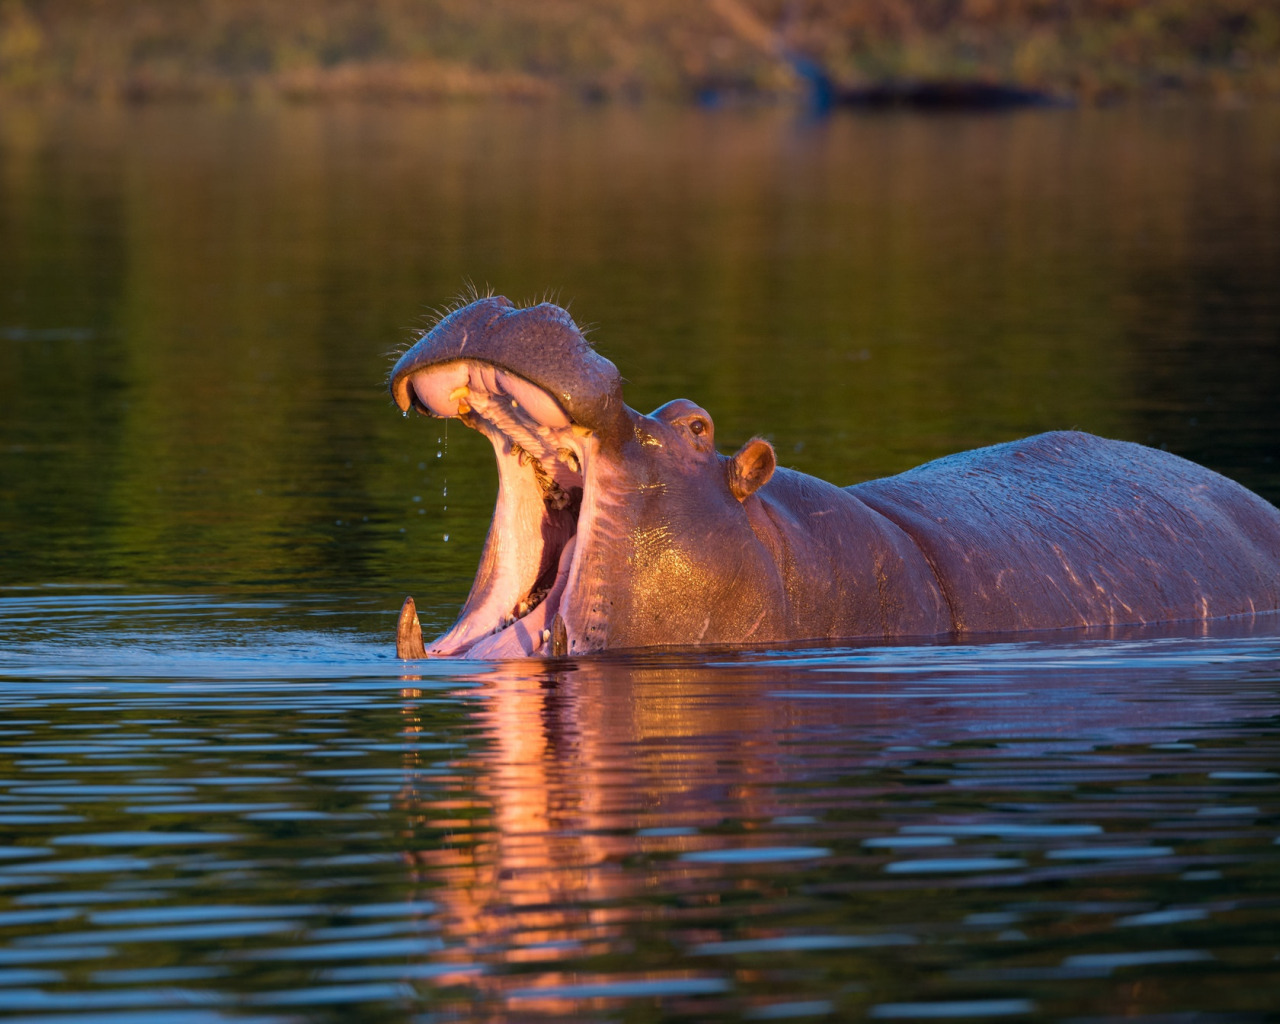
(618, 530)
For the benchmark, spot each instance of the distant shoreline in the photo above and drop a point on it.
(709, 52)
(933, 95)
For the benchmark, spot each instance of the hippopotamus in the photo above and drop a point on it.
(618, 530)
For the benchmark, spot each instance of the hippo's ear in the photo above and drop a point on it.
(751, 468)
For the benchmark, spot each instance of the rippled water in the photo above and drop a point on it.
(222, 797)
(1059, 826)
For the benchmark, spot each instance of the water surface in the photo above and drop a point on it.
(1056, 826)
(222, 797)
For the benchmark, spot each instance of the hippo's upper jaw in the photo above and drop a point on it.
(541, 344)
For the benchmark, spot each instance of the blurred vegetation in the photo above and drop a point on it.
(199, 305)
(675, 49)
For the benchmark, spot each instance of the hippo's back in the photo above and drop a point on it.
(1068, 529)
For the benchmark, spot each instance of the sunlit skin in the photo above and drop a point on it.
(618, 530)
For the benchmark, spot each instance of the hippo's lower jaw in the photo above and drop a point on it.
(515, 606)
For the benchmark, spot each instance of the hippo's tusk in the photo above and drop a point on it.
(409, 633)
(559, 637)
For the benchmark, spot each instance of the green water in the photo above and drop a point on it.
(222, 798)
(198, 308)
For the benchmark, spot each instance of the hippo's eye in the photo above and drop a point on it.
(698, 427)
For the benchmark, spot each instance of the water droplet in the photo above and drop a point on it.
(405, 414)
(439, 455)
(446, 538)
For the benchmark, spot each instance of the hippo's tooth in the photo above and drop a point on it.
(409, 633)
(458, 392)
(559, 637)
(571, 459)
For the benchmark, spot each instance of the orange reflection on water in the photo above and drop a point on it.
(529, 846)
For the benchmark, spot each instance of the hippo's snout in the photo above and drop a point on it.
(541, 346)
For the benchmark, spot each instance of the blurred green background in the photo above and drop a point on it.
(199, 305)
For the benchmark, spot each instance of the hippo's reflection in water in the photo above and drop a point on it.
(669, 820)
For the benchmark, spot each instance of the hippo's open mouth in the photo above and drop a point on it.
(515, 603)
